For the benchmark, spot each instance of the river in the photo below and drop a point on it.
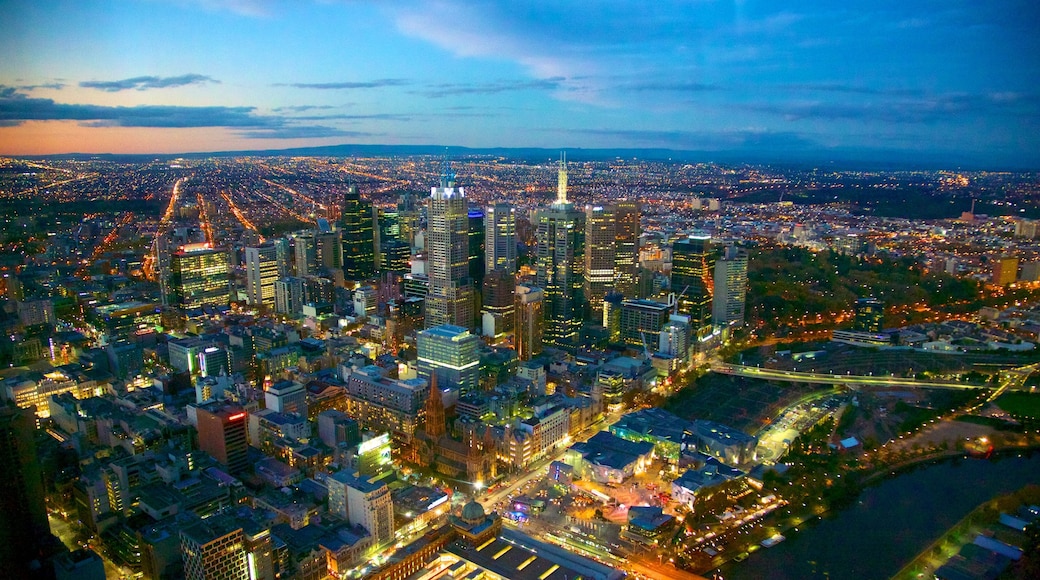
(890, 523)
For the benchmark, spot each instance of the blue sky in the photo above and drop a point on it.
(912, 79)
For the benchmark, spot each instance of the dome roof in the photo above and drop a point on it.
(473, 512)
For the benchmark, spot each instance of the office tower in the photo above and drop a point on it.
(198, 276)
(730, 287)
(612, 315)
(530, 321)
(408, 218)
(224, 548)
(559, 268)
(641, 322)
(477, 248)
(450, 299)
(1005, 270)
(450, 352)
(395, 257)
(870, 315)
(222, 434)
(600, 241)
(336, 427)
(499, 308)
(261, 273)
(328, 250)
(675, 337)
(365, 302)
(24, 530)
(626, 248)
(284, 257)
(693, 265)
(500, 238)
(214, 361)
(306, 251)
(289, 295)
(364, 502)
(358, 237)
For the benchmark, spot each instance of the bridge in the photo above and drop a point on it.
(851, 380)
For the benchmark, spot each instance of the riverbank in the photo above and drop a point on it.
(889, 522)
(950, 543)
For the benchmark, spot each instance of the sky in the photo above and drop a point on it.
(908, 79)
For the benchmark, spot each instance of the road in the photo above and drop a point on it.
(829, 379)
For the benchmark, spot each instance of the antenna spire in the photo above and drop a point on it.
(561, 187)
(447, 174)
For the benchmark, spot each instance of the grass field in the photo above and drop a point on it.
(1021, 404)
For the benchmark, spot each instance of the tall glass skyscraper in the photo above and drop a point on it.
(358, 237)
(261, 273)
(561, 250)
(199, 275)
(693, 266)
(450, 299)
(500, 238)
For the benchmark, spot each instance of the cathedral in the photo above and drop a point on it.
(472, 458)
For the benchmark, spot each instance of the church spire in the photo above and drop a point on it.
(435, 424)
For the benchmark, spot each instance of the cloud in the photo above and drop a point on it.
(251, 8)
(301, 132)
(302, 108)
(349, 85)
(670, 86)
(148, 82)
(447, 89)
(55, 86)
(925, 109)
(751, 139)
(17, 108)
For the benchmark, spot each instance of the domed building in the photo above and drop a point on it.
(474, 525)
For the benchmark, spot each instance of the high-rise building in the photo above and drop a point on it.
(530, 321)
(408, 218)
(24, 530)
(198, 276)
(358, 237)
(477, 247)
(450, 298)
(627, 230)
(363, 501)
(222, 434)
(305, 251)
(451, 353)
(498, 304)
(730, 287)
(289, 295)
(641, 322)
(283, 253)
(560, 264)
(693, 266)
(328, 250)
(1005, 270)
(261, 273)
(870, 315)
(224, 548)
(600, 242)
(500, 238)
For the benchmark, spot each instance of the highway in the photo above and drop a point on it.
(829, 379)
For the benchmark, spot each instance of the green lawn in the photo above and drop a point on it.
(1021, 404)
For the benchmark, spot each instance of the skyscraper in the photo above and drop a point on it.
(450, 352)
(626, 248)
(477, 247)
(24, 530)
(199, 275)
(358, 237)
(450, 299)
(600, 242)
(693, 265)
(730, 287)
(222, 434)
(261, 273)
(561, 250)
(530, 321)
(498, 308)
(305, 250)
(500, 238)
(224, 548)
